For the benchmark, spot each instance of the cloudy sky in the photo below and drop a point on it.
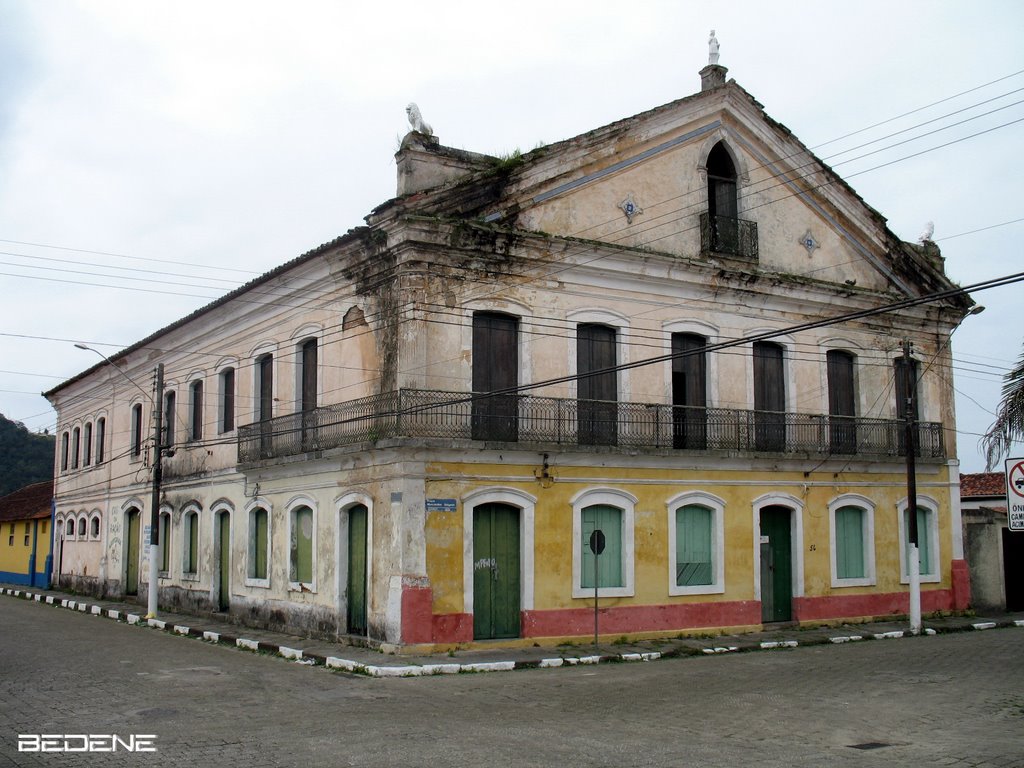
(155, 154)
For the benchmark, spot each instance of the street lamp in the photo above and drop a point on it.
(154, 516)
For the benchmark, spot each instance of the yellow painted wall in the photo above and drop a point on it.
(553, 526)
(15, 550)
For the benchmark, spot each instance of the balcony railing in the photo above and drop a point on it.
(735, 237)
(417, 413)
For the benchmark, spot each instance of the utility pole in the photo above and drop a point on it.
(154, 515)
(910, 443)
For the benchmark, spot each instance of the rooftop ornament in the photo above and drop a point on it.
(712, 49)
(416, 120)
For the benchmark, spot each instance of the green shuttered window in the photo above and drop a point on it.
(694, 542)
(850, 563)
(924, 540)
(259, 530)
(302, 545)
(608, 520)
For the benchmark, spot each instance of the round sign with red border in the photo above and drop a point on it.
(1015, 494)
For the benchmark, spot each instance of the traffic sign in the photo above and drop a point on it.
(1015, 494)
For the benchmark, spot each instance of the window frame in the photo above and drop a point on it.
(294, 507)
(612, 497)
(867, 507)
(226, 396)
(101, 436)
(196, 410)
(191, 525)
(164, 522)
(76, 446)
(135, 436)
(251, 510)
(930, 529)
(65, 450)
(87, 445)
(717, 507)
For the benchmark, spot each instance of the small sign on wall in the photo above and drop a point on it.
(441, 505)
(1015, 494)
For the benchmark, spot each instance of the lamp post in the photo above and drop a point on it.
(154, 516)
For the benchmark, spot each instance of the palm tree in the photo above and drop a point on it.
(1009, 424)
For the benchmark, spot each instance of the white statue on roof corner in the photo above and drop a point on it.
(926, 236)
(712, 49)
(416, 120)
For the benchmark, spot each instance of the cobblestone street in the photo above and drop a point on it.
(947, 700)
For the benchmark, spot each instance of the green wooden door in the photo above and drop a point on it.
(224, 592)
(356, 612)
(131, 554)
(776, 565)
(495, 571)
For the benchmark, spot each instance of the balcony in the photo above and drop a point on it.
(733, 237)
(528, 419)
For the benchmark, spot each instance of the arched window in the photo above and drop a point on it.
(65, 442)
(69, 529)
(302, 534)
(137, 430)
(842, 401)
(170, 411)
(259, 543)
(81, 527)
(87, 445)
(165, 542)
(721, 183)
(94, 527)
(101, 436)
(227, 400)
(76, 441)
(191, 543)
(196, 397)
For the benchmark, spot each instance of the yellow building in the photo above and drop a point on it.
(668, 359)
(25, 517)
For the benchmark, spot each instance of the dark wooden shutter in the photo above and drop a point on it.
(841, 402)
(265, 371)
(228, 400)
(169, 413)
(689, 391)
(197, 410)
(308, 395)
(309, 374)
(769, 397)
(598, 393)
(495, 368)
(906, 384)
(266, 380)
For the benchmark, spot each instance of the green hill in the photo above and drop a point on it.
(25, 458)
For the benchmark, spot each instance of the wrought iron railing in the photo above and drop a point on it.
(418, 413)
(721, 234)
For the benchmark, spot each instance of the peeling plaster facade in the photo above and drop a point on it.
(375, 453)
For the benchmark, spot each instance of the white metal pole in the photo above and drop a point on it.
(914, 566)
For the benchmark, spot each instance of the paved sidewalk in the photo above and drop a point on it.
(371, 662)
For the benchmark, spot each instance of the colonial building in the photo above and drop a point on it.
(25, 540)
(410, 435)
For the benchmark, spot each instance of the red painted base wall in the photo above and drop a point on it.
(420, 626)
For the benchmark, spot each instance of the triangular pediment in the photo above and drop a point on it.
(643, 182)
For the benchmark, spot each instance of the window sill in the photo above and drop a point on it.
(190, 577)
(302, 586)
(699, 589)
(926, 578)
(866, 581)
(588, 592)
(258, 583)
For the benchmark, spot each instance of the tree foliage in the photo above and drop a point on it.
(25, 458)
(1008, 427)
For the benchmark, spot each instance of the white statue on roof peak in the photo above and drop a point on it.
(928, 233)
(712, 49)
(416, 120)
